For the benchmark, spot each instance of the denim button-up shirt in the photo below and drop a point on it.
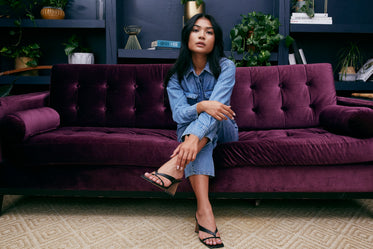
(195, 88)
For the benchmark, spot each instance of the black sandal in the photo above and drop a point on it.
(205, 230)
(171, 190)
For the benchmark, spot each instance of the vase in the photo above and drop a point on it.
(100, 9)
(52, 13)
(81, 58)
(191, 9)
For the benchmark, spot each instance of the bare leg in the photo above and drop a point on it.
(204, 214)
(169, 167)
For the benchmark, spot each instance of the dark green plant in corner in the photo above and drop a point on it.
(255, 38)
(349, 59)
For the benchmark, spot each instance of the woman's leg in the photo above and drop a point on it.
(204, 214)
(169, 168)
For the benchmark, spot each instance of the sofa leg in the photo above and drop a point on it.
(257, 203)
(1, 204)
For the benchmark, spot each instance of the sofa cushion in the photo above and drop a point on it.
(282, 97)
(111, 95)
(99, 146)
(353, 121)
(312, 146)
(21, 125)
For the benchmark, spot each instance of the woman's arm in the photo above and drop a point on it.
(221, 93)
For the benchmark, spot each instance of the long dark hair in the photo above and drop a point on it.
(184, 60)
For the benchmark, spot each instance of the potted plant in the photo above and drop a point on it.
(53, 9)
(350, 60)
(192, 7)
(24, 56)
(255, 37)
(77, 53)
(304, 6)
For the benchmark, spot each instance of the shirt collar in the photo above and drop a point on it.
(191, 70)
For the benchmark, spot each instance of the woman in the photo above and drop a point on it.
(199, 88)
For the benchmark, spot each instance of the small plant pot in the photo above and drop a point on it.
(81, 58)
(347, 74)
(52, 13)
(191, 9)
(20, 62)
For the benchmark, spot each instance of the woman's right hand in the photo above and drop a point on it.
(216, 110)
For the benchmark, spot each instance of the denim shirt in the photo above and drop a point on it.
(195, 88)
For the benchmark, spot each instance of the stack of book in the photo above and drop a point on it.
(165, 44)
(303, 18)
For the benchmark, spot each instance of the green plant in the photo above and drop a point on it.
(31, 50)
(74, 45)
(255, 37)
(305, 6)
(56, 3)
(349, 56)
(19, 9)
(199, 2)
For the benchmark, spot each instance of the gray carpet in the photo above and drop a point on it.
(57, 222)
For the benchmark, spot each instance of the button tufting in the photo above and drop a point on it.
(253, 87)
(308, 83)
(255, 109)
(284, 108)
(281, 85)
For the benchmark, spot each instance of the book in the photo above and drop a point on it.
(365, 71)
(303, 18)
(298, 15)
(165, 44)
(328, 20)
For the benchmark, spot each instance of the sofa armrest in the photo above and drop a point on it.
(346, 101)
(348, 120)
(15, 103)
(19, 126)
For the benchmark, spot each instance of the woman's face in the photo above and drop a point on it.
(202, 37)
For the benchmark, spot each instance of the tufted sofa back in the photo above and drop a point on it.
(133, 95)
(279, 97)
(111, 95)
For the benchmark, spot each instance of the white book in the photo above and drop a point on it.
(365, 71)
(292, 59)
(297, 15)
(312, 21)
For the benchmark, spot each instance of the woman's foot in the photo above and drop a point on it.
(206, 220)
(168, 168)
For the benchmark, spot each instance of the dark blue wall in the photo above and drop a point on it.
(162, 19)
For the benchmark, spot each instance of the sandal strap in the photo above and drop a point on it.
(213, 237)
(205, 230)
(171, 178)
(156, 175)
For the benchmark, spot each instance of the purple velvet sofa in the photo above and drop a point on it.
(101, 126)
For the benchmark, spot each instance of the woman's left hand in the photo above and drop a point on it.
(186, 152)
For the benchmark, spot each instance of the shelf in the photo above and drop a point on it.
(25, 80)
(353, 86)
(65, 23)
(333, 28)
(167, 54)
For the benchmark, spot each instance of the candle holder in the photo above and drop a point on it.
(132, 31)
